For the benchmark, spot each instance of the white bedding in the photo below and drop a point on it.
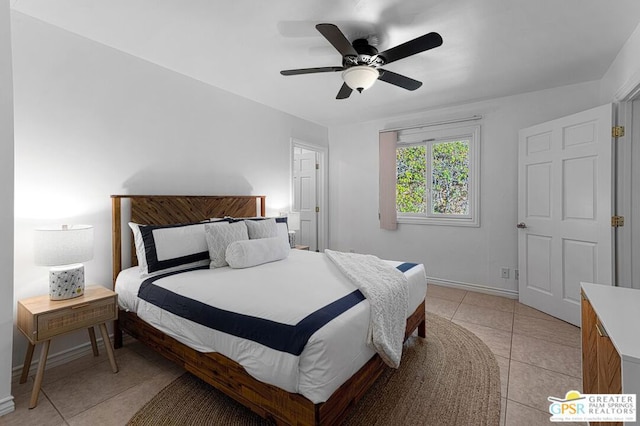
(332, 354)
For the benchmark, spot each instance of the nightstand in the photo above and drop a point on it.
(40, 319)
(298, 247)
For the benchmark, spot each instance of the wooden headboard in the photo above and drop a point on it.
(171, 209)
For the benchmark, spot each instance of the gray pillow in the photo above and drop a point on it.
(219, 236)
(262, 228)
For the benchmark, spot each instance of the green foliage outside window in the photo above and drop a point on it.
(411, 188)
(449, 178)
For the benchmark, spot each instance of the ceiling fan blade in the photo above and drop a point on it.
(399, 80)
(411, 47)
(337, 39)
(311, 70)
(344, 92)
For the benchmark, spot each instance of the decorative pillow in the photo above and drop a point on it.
(281, 224)
(219, 235)
(262, 228)
(283, 228)
(245, 254)
(170, 247)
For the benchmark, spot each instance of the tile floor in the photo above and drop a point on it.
(538, 355)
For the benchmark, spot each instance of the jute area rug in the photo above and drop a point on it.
(452, 378)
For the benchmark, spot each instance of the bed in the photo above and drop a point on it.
(282, 404)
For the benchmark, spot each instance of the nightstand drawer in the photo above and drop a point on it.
(75, 317)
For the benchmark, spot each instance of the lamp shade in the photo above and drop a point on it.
(293, 220)
(63, 245)
(360, 77)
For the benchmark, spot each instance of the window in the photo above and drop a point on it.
(437, 175)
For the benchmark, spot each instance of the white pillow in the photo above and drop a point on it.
(262, 228)
(219, 236)
(245, 254)
(167, 248)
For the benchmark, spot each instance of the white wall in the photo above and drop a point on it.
(454, 255)
(6, 209)
(91, 121)
(623, 74)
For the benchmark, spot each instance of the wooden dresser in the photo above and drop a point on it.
(610, 340)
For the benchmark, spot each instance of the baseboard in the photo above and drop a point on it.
(7, 405)
(511, 294)
(58, 358)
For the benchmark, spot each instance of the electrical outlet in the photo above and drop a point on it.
(516, 274)
(504, 272)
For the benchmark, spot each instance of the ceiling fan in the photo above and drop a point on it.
(361, 62)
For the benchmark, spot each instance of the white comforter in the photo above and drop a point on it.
(309, 281)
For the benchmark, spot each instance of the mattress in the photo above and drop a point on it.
(281, 292)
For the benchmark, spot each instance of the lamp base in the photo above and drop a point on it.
(66, 282)
(292, 239)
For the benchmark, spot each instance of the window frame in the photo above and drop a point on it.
(438, 134)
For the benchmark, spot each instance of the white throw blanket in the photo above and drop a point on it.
(385, 287)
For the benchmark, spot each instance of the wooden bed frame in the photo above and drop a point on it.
(268, 401)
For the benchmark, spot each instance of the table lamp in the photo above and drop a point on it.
(293, 220)
(64, 248)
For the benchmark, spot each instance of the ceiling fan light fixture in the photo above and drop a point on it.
(360, 77)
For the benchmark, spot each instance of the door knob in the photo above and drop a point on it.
(521, 225)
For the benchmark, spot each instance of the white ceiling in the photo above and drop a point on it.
(491, 48)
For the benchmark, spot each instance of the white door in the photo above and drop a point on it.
(634, 279)
(304, 198)
(564, 210)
